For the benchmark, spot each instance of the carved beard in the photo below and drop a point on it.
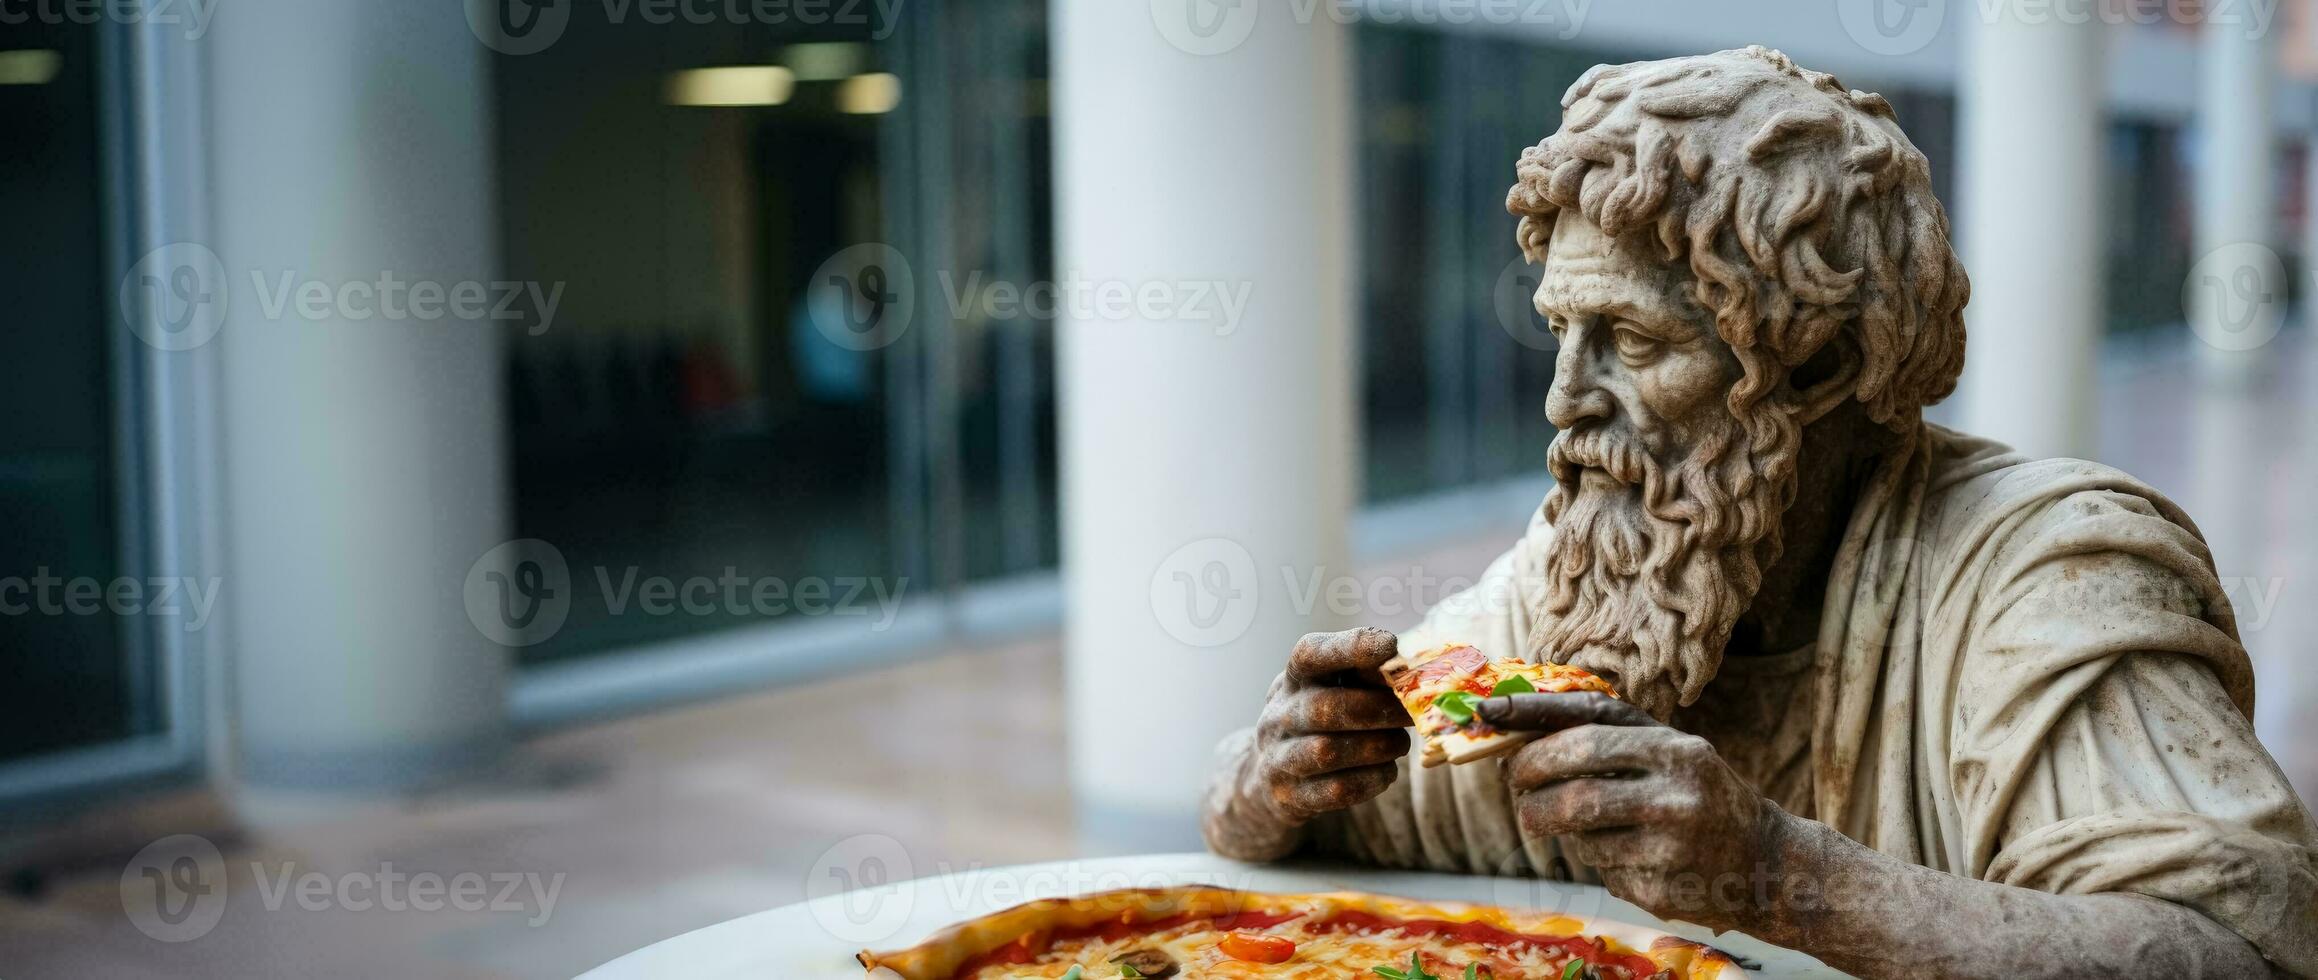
(1650, 567)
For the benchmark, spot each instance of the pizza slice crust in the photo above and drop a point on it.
(1459, 748)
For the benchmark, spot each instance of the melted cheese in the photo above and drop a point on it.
(1322, 954)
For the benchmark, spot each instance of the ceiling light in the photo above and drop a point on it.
(739, 85)
(869, 94)
(825, 61)
(30, 67)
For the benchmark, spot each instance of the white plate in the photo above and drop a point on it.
(816, 940)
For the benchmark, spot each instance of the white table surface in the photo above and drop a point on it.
(816, 939)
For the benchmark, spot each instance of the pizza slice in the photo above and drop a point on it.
(1442, 686)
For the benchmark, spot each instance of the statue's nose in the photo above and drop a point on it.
(1576, 396)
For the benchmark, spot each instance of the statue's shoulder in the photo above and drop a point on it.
(1977, 489)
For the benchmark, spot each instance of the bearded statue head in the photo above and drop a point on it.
(1732, 247)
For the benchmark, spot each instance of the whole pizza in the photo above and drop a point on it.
(1199, 932)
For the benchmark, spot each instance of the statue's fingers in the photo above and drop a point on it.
(1603, 850)
(1587, 750)
(1553, 712)
(1341, 789)
(1315, 755)
(1358, 652)
(1588, 806)
(1348, 709)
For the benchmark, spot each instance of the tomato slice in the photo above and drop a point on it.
(1255, 947)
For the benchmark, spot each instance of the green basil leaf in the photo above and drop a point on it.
(1388, 973)
(1458, 705)
(1571, 971)
(1515, 684)
(1472, 971)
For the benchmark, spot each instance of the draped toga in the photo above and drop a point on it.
(2026, 672)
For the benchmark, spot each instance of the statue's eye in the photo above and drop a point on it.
(1636, 347)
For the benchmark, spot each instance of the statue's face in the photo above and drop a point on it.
(1659, 503)
(1639, 359)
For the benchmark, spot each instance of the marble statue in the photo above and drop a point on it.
(1896, 696)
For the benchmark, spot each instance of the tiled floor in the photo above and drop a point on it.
(667, 822)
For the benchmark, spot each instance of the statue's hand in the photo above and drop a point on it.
(1332, 733)
(1667, 823)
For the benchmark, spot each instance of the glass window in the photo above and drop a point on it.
(688, 414)
(77, 673)
(1455, 362)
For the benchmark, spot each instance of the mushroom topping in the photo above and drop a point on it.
(1147, 963)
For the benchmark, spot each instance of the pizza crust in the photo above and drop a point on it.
(1458, 748)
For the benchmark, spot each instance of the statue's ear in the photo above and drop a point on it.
(1827, 378)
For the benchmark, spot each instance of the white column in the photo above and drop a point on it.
(1205, 463)
(2031, 115)
(363, 471)
(2237, 294)
(2292, 734)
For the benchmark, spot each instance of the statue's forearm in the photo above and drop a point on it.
(1872, 915)
(1237, 818)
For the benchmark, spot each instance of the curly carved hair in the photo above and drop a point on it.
(1801, 207)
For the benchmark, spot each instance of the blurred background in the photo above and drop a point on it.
(678, 457)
